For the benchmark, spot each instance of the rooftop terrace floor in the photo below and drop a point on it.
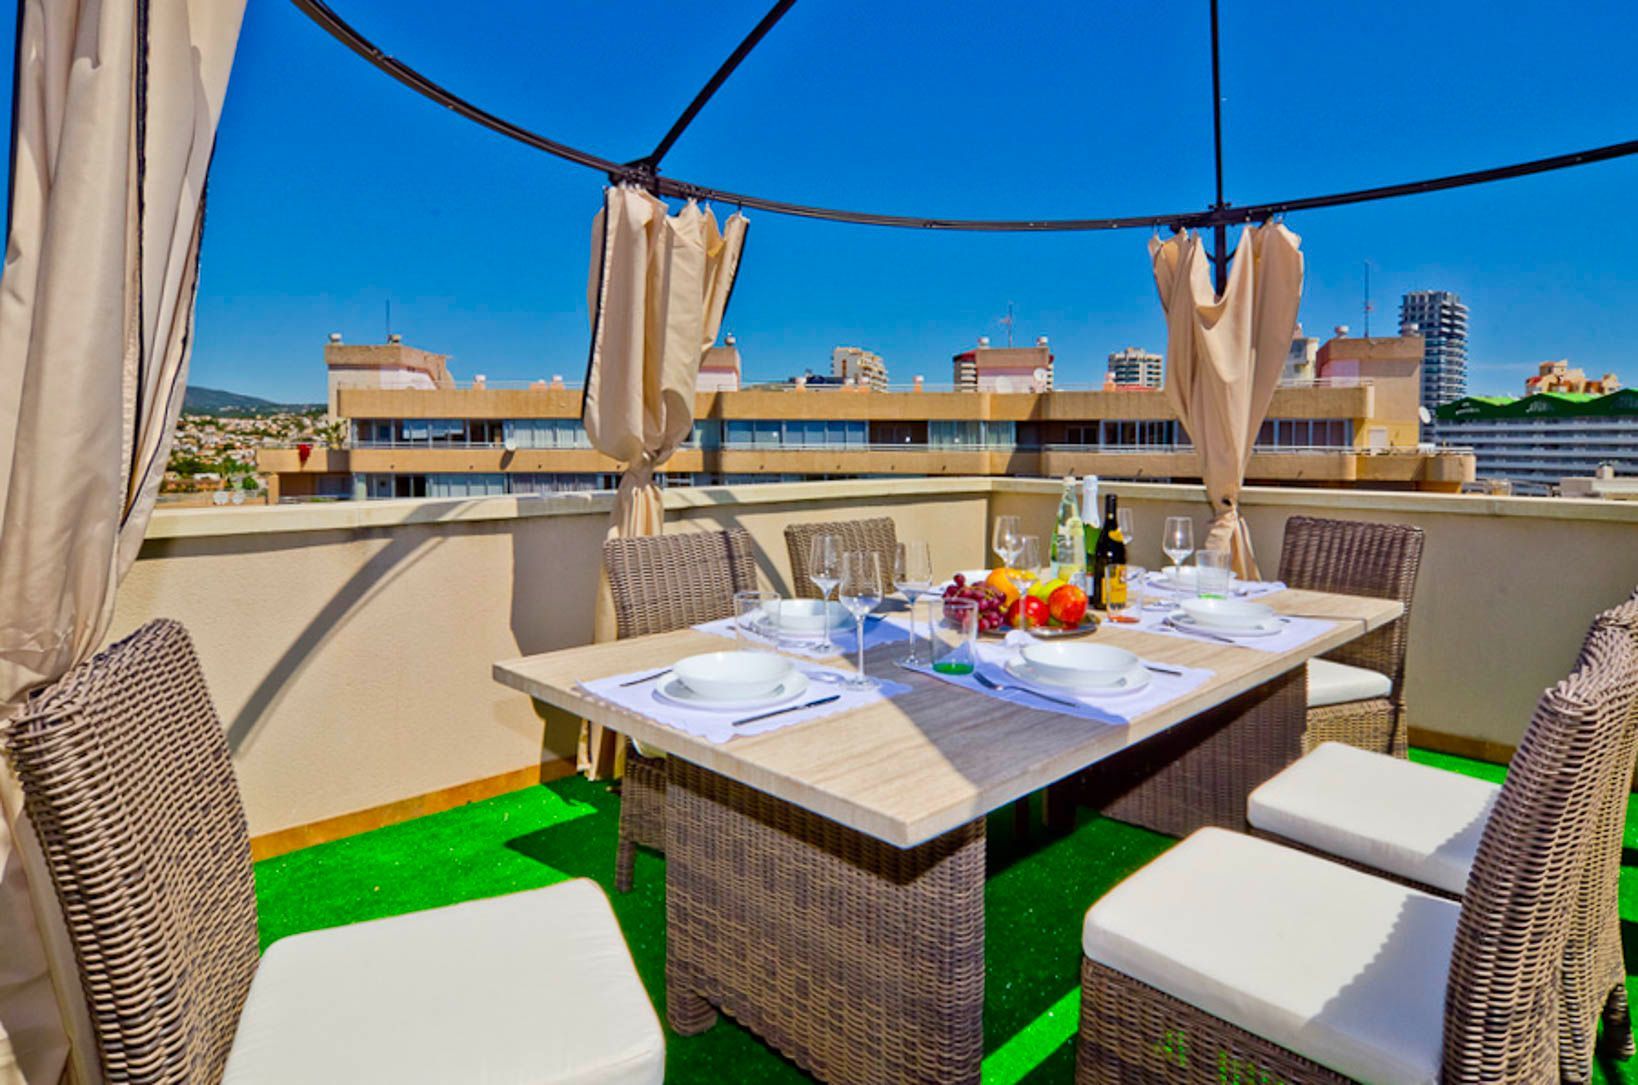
(1037, 891)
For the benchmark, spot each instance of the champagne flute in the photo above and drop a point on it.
(1178, 541)
(1006, 539)
(860, 590)
(825, 570)
(913, 573)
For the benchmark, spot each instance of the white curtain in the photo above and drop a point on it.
(117, 107)
(1224, 355)
(656, 293)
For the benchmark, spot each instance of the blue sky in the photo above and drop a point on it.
(335, 189)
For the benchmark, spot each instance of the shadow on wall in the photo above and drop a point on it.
(402, 551)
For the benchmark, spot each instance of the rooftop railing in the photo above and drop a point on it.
(332, 628)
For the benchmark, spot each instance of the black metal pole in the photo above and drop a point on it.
(758, 32)
(1219, 232)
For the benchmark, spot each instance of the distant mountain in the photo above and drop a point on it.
(200, 400)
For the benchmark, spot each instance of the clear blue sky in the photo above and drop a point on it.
(335, 189)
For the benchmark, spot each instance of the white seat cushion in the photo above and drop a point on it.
(1413, 821)
(1344, 968)
(1338, 683)
(530, 987)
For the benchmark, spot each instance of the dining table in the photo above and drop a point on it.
(825, 881)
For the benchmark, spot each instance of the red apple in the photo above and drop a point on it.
(1035, 611)
(1067, 605)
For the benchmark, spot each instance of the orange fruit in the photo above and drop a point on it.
(1002, 580)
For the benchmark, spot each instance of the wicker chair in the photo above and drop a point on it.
(1358, 558)
(1293, 1013)
(128, 781)
(875, 534)
(1421, 826)
(661, 583)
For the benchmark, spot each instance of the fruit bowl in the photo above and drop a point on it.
(1057, 615)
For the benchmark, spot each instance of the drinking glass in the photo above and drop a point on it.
(825, 570)
(1213, 574)
(756, 625)
(1006, 539)
(913, 573)
(1123, 521)
(1178, 542)
(1029, 558)
(1117, 593)
(860, 590)
(953, 636)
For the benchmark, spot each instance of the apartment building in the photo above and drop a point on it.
(1004, 369)
(1441, 319)
(453, 441)
(1536, 441)
(859, 366)
(1135, 367)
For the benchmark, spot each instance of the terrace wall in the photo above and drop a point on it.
(349, 645)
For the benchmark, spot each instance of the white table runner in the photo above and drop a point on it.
(1294, 632)
(880, 629)
(718, 726)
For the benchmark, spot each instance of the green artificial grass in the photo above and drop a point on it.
(1037, 893)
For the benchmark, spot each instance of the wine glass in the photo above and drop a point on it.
(913, 573)
(860, 590)
(1006, 540)
(825, 570)
(1178, 542)
(1123, 522)
(1029, 557)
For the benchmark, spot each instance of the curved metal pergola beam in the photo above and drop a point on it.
(646, 175)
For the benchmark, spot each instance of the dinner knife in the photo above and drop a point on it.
(793, 708)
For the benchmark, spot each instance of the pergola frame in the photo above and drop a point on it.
(645, 171)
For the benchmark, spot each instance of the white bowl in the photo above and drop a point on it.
(1226, 613)
(808, 615)
(733, 676)
(1068, 663)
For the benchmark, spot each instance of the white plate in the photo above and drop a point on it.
(1079, 666)
(1136, 679)
(1188, 625)
(674, 691)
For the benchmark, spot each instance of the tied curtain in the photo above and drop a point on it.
(117, 106)
(1224, 356)
(656, 292)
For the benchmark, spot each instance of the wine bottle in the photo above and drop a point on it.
(1089, 520)
(1067, 537)
(1110, 549)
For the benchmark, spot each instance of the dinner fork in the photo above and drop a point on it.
(997, 687)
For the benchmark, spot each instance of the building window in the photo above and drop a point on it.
(464, 485)
(546, 433)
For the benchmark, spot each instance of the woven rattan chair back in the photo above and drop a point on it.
(1356, 557)
(127, 779)
(1594, 959)
(665, 582)
(1504, 998)
(875, 534)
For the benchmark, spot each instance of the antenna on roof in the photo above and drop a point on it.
(1368, 305)
(1008, 321)
(389, 319)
